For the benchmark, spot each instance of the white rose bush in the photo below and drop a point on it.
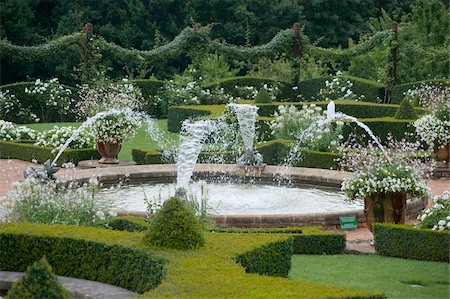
(438, 216)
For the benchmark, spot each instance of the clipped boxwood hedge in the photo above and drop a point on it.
(274, 152)
(127, 223)
(190, 274)
(272, 259)
(122, 266)
(27, 100)
(399, 90)
(150, 88)
(411, 243)
(177, 114)
(29, 152)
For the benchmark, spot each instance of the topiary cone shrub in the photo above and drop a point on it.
(406, 110)
(175, 226)
(263, 96)
(38, 282)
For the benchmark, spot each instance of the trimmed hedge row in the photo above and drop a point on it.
(272, 259)
(126, 267)
(127, 223)
(308, 89)
(26, 100)
(177, 114)
(29, 152)
(411, 243)
(274, 152)
(357, 109)
(150, 88)
(399, 90)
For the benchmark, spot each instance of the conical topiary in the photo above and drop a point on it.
(263, 96)
(406, 110)
(175, 226)
(38, 282)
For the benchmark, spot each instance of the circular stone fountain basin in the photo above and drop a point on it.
(239, 199)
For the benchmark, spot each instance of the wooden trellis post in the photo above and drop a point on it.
(392, 68)
(297, 52)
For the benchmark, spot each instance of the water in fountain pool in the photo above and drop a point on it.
(241, 198)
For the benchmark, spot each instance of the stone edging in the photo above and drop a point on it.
(167, 173)
(80, 289)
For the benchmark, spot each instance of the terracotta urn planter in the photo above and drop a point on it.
(385, 207)
(443, 155)
(109, 152)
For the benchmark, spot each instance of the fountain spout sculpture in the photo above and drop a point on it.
(246, 116)
(45, 172)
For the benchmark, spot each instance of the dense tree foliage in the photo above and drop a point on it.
(146, 24)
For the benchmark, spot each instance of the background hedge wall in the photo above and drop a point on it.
(178, 114)
(408, 242)
(126, 267)
(29, 152)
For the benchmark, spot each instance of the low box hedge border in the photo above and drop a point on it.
(30, 152)
(407, 242)
(126, 267)
(190, 273)
(274, 152)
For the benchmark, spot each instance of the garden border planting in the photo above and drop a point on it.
(30, 152)
(411, 243)
(79, 257)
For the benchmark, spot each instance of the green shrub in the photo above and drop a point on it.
(314, 240)
(147, 156)
(411, 243)
(127, 223)
(263, 96)
(126, 267)
(406, 110)
(175, 226)
(38, 282)
(29, 152)
(273, 259)
(150, 88)
(28, 100)
(399, 91)
(177, 114)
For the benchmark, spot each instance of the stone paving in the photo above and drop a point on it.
(358, 240)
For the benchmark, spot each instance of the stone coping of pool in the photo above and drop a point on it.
(299, 175)
(79, 288)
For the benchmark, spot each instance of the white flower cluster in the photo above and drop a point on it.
(431, 96)
(115, 127)
(52, 94)
(250, 92)
(39, 201)
(438, 216)
(10, 105)
(8, 131)
(109, 96)
(433, 131)
(307, 126)
(57, 136)
(392, 178)
(338, 89)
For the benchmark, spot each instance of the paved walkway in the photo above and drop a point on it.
(358, 240)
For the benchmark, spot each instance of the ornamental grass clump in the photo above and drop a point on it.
(38, 282)
(438, 216)
(175, 226)
(400, 168)
(38, 201)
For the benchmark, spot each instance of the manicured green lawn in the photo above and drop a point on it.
(141, 140)
(397, 278)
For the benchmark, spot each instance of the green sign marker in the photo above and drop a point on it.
(347, 222)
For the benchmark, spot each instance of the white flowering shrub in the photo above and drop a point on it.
(390, 178)
(12, 109)
(339, 89)
(434, 97)
(39, 201)
(115, 126)
(307, 127)
(107, 96)
(434, 131)
(438, 216)
(57, 136)
(51, 95)
(8, 131)
(250, 92)
(399, 168)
